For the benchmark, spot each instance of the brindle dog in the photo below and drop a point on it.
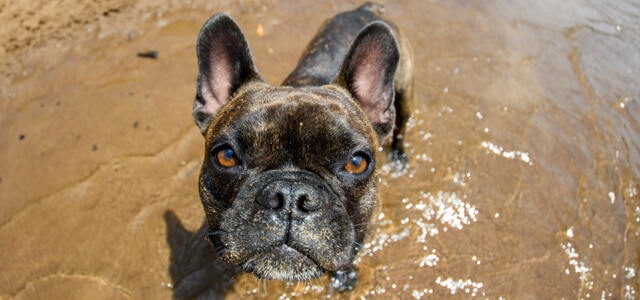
(288, 182)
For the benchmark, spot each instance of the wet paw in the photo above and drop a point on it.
(344, 280)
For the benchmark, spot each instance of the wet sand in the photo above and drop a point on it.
(524, 151)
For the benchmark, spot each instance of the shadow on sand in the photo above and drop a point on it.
(195, 269)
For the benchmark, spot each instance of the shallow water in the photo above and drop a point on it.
(524, 158)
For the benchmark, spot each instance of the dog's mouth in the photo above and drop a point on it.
(284, 263)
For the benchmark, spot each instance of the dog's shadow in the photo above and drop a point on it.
(195, 268)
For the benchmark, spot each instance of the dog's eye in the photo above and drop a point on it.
(226, 157)
(357, 165)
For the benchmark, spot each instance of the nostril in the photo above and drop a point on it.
(302, 204)
(279, 201)
(271, 200)
(308, 204)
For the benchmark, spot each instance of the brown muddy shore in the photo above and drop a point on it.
(524, 148)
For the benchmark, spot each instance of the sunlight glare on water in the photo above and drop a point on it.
(445, 207)
(514, 154)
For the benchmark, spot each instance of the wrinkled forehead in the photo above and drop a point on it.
(295, 120)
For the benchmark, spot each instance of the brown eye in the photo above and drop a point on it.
(357, 165)
(226, 158)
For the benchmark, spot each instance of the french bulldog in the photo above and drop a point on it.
(288, 180)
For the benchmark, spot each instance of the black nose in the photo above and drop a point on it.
(295, 195)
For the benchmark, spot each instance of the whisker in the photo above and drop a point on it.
(219, 232)
(319, 282)
(264, 283)
(367, 253)
(369, 223)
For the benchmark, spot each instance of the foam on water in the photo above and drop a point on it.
(514, 154)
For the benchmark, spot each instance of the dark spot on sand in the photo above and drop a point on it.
(149, 54)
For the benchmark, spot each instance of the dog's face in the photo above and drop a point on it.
(288, 185)
(288, 182)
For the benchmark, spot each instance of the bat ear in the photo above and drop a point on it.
(224, 65)
(368, 72)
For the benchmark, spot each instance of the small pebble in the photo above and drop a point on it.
(149, 54)
(260, 30)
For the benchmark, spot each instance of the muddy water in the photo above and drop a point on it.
(524, 157)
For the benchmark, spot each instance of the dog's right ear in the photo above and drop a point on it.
(224, 65)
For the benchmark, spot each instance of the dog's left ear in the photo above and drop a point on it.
(368, 72)
(224, 64)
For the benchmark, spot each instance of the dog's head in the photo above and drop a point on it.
(288, 183)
